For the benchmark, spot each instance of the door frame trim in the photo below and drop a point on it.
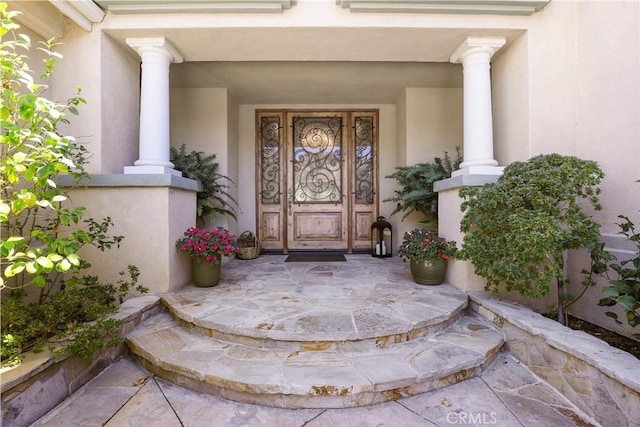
(361, 219)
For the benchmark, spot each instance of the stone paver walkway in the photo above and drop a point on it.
(361, 300)
(506, 394)
(315, 334)
(270, 307)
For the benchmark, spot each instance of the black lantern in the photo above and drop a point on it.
(381, 238)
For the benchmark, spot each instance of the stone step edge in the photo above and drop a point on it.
(260, 338)
(344, 345)
(326, 397)
(322, 394)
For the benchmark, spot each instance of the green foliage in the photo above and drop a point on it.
(74, 321)
(213, 198)
(41, 238)
(625, 289)
(519, 228)
(417, 181)
(447, 164)
(33, 153)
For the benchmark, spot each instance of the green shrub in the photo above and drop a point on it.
(44, 293)
(625, 289)
(72, 321)
(519, 228)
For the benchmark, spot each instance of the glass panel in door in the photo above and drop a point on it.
(317, 207)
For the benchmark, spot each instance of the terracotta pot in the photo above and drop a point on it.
(429, 272)
(205, 274)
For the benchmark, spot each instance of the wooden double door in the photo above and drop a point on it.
(317, 179)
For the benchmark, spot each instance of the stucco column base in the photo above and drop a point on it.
(479, 170)
(151, 170)
(460, 274)
(151, 212)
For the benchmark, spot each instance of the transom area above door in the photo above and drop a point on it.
(316, 180)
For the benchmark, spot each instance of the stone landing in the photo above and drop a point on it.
(315, 335)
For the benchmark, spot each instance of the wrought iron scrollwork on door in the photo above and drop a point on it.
(317, 160)
(363, 145)
(270, 152)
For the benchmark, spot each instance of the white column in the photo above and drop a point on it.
(157, 54)
(475, 55)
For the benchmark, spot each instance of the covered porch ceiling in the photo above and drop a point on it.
(314, 65)
(315, 82)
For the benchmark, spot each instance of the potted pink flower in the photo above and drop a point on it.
(206, 249)
(428, 254)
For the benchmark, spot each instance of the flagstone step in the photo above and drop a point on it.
(314, 378)
(345, 316)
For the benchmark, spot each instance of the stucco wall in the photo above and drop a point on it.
(387, 161)
(401, 131)
(120, 109)
(200, 119)
(81, 67)
(246, 169)
(574, 90)
(511, 98)
(151, 219)
(433, 122)
(568, 87)
(235, 163)
(608, 102)
(432, 125)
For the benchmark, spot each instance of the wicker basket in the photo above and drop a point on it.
(249, 246)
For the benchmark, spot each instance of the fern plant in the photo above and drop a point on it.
(213, 197)
(417, 182)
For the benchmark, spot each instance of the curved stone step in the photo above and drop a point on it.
(294, 316)
(323, 378)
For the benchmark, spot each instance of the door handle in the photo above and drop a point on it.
(290, 204)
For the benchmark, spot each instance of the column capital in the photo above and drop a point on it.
(155, 44)
(487, 45)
